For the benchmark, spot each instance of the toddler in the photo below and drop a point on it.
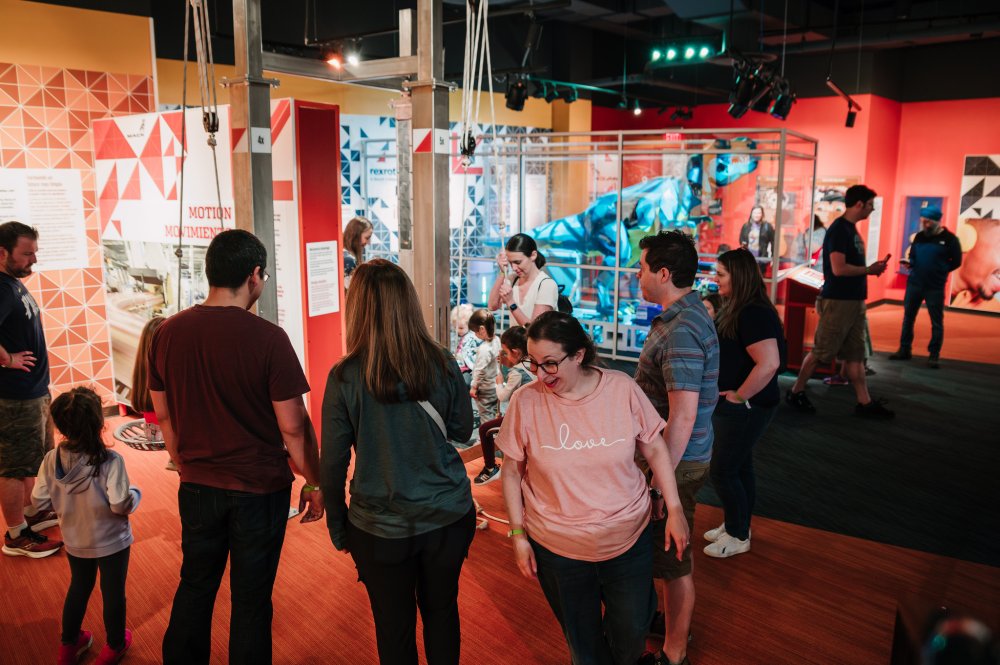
(87, 486)
(483, 387)
(465, 350)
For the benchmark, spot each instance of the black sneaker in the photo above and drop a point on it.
(487, 475)
(659, 658)
(934, 361)
(874, 409)
(800, 402)
(902, 354)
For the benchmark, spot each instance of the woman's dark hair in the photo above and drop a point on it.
(516, 339)
(746, 287)
(750, 216)
(525, 244)
(715, 299)
(564, 330)
(817, 222)
(79, 416)
(233, 256)
(140, 398)
(483, 318)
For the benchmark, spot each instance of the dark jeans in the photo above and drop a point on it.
(935, 309)
(737, 429)
(219, 525)
(487, 441)
(576, 590)
(83, 572)
(402, 574)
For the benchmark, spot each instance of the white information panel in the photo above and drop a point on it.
(51, 200)
(323, 277)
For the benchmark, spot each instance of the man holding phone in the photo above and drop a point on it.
(841, 307)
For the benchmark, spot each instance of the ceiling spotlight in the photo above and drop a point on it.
(689, 53)
(671, 53)
(761, 101)
(517, 92)
(681, 114)
(782, 104)
(335, 61)
(637, 110)
(657, 54)
(703, 53)
(744, 84)
(551, 93)
(569, 95)
(852, 115)
(353, 59)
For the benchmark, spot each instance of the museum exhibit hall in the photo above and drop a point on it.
(368, 333)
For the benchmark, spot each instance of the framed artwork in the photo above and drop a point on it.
(911, 223)
(976, 284)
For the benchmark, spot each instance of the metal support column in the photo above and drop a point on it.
(250, 111)
(431, 241)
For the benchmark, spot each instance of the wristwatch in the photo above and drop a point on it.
(655, 494)
(513, 306)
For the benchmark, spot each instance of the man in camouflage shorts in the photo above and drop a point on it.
(25, 426)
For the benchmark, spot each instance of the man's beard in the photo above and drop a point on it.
(17, 272)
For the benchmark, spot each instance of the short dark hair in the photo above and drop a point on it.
(483, 318)
(674, 251)
(856, 194)
(520, 242)
(566, 331)
(10, 232)
(516, 339)
(232, 256)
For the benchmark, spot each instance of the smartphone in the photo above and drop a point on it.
(886, 259)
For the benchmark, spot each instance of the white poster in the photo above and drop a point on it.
(323, 277)
(50, 200)
(874, 233)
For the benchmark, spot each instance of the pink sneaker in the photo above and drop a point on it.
(836, 380)
(109, 656)
(69, 654)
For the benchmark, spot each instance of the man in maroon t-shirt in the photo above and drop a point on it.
(227, 389)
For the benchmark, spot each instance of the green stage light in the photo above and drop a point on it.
(703, 53)
(689, 53)
(657, 55)
(671, 53)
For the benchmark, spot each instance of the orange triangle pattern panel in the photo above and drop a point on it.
(46, 116)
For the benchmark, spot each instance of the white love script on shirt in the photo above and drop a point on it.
(566, 444)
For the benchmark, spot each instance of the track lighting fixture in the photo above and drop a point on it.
(517, 92)
(757, 87)
(681, 114)
(852, 106)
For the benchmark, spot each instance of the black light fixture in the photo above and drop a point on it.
(517, 92)
(852, 115)
(852, 106)
(569, 95)
(681, 114)
(744, 86)
(782, 104)
(551, 93)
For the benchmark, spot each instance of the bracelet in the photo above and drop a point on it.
(515, 532)
(740, 397)
(310, 488)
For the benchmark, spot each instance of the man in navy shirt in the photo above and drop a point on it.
(25, 428)
(934, 252)
(841, 307)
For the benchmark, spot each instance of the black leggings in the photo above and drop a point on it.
(114, 569)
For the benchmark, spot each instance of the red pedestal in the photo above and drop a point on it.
(801, 319)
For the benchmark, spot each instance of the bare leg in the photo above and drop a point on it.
(12, 500)
(678, 606)
(808, 367)
(855, 371)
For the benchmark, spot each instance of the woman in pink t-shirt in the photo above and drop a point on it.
(576, 498)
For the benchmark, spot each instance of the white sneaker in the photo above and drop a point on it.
(713, 535)
(727, 546)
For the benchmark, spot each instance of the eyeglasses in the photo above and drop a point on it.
(549, 366)
(263, 274)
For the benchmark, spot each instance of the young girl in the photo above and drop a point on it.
(87, 486)
(140, 382)
(465, 349)
(483, 388)
(513, 349)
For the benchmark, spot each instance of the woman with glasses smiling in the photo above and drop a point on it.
(576, 498)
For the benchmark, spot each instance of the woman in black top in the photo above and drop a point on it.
(751, 348)
(394, 401)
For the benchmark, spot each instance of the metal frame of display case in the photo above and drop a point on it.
(615, 339)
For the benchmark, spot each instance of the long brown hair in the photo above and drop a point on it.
(140, 370)
(387, 334)
(79, 416)
(352, 237)
(746, 287)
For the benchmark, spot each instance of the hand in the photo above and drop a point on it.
(502, 261)
(22, 360)
(728, 395)
(524, 555)
(314, 500)
(677, 530)
(876, 268)
(506, 293)
(472, 393)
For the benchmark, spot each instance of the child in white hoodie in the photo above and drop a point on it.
(483, 387)
(87, 486)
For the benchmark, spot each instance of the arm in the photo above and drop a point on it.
(523, 554)
(22, 360)
(680, 422)
(493, 302)
(660, 463)
(766, 363)
(506, 389)
(300, 439)
(40, 497)
(124, 499)
(955, 253)
(840, 267)
(338, 437)
(482, 360)
(159, 399)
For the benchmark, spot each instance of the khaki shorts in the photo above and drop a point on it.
(841, 330)
(690, 477)
(25, 436)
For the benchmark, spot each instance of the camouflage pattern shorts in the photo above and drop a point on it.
(25, 436)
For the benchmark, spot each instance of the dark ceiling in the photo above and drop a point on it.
(908, 50)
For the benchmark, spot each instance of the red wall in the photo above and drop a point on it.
(898, 149)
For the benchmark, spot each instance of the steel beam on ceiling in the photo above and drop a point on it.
(367, 70)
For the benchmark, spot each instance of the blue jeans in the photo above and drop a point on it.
(737, 429)
(217, 526)
(935, 309)
(576, 589)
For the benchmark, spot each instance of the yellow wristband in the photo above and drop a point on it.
(310, 488)
(515, 532)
